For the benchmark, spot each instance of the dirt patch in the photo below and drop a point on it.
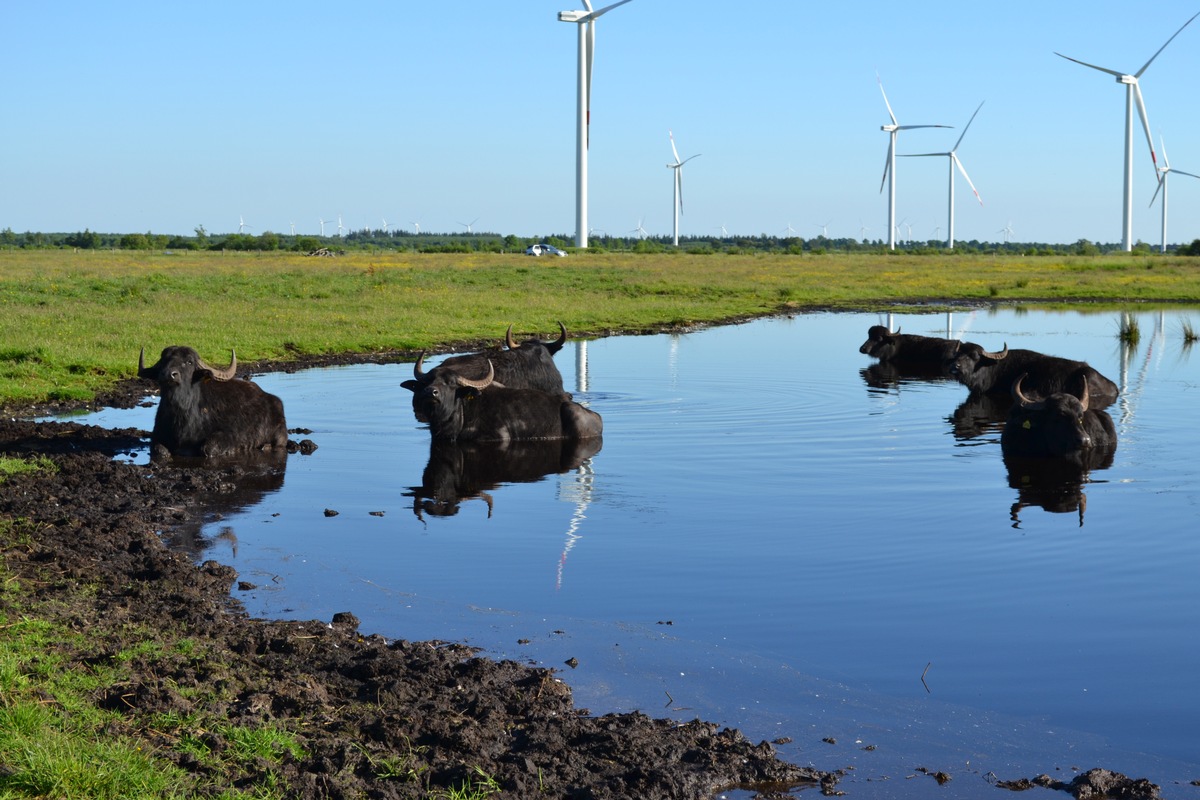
(374, 718)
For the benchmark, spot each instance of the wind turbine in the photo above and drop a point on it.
(824, 229)
(1007, 231)
(242, 224)
(322, 221)
(293, 228)
(954, 162)
(340, 228)
(1164, 171)
(889, 167)
(1133, 93)
(639, 230)
(678, 167)
(587, 48)
(468, 225)
(416, 227)
(789, 230)
(385, 227)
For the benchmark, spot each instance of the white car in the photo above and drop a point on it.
(543, 250)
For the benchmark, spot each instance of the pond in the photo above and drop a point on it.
(777, 538)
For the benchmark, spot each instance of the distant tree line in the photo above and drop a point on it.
(374, 240)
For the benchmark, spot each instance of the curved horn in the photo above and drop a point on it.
(222, 374)
(142, 364)
(512, 343)
(896, 332)
(1019, 396)
(1084, 396)
(562, 339)
(997, 356)
(482, 383)
(418, 368)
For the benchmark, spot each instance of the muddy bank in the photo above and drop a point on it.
(91, 557)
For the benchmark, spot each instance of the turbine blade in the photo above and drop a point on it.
(963, 170)
(1138, 74)
(1141, 105)
(673, 150)
(887, 165)
(587, 99)
(914, 127)
(689, 158)
(1181, 172)
(1093, 66)
(604, 10)
(964, 133)
(1162, 181)
(921, 155)
(679, 187)
(885, 100)
(1163, 145)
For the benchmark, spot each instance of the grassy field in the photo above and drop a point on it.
(71, 323)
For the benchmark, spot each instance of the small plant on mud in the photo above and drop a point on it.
(20, 466)
(402, 767)
(477, 789)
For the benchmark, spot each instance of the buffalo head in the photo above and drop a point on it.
(179, 365)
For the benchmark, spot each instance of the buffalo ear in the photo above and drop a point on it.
(411, 385)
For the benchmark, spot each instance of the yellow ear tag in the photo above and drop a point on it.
(1027, 425)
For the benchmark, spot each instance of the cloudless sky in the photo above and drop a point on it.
(151, 116)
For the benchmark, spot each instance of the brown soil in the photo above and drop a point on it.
(87, 549)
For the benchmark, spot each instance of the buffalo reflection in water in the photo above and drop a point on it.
(229, 486)
(979, 415)
(1056, 483)
(892, 375)
(459, 471)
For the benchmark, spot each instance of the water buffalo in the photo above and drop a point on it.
(908, 348)
(995, 373)
(524, 365)
(459, 408)
(204, 411)
(1060, 425)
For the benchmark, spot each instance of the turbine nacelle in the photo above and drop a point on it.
(573, 16)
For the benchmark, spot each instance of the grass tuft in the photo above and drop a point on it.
(1128, 329)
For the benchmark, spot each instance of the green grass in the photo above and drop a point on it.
(10, 466)
(57, 741)
(71, 323)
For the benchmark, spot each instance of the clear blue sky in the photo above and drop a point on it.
(140, 116)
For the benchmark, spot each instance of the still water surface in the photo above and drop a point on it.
(770, 541)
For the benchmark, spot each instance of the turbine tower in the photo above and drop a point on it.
(954, 162)
(587, 46)
(1164, 171)
(677, 207)
(889, 167)
(1133, 94)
